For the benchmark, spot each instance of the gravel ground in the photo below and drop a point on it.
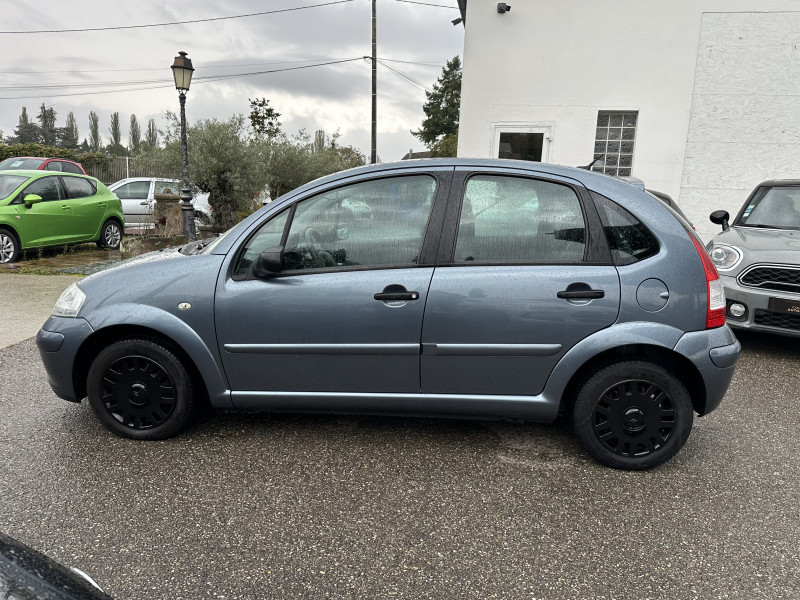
(251, 506)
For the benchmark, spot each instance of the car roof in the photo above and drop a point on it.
(779, 183)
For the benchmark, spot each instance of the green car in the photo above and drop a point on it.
(40, 208)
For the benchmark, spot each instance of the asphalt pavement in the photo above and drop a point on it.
(252, 506)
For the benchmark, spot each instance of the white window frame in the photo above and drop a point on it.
(544, 128)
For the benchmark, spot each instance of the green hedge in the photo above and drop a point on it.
(87, 159)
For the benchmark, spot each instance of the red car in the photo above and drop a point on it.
(31, 163)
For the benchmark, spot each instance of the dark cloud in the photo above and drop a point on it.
(331, 97)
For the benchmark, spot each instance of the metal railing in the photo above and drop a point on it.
(122, 167)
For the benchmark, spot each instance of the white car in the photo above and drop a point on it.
(137, 195)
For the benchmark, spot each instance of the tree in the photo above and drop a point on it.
(441, 109)
(263, 118)
(115, 147)
(95, 141)
(135, 135)
(26, 132)
(151, 137)
(47, 125)
(68, 135)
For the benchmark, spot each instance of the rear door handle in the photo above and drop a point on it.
(581, 294)
(396, 296)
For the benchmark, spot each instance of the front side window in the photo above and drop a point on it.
(372, 223)
(46, 187)
(511, 219)
(78, 187)
(135, 190)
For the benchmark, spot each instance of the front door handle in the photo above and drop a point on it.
(396, 296)
(581, 294)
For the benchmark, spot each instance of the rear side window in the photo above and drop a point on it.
(79, 188)
(71, 168)
(53, 166)
(629, 240)
(512, 219)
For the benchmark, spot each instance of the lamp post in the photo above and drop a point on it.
(182, 72)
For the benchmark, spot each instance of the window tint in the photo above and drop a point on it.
(46, 187)
(53, 166)
(629, 240)
(78, 188)
(366, 224)
(511, 219)
(136, 190)
(268, 236)
(71, 168)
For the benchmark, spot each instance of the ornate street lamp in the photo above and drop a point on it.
(182, 72)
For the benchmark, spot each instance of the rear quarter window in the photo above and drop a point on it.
(628, 238)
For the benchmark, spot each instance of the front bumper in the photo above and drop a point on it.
(760, 316)
(58, 341)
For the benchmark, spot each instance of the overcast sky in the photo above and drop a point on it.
(82, 67)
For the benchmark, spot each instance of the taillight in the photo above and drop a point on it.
(715, 309)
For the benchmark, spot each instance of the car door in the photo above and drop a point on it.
(339, 327)
(136, 198)
(50, 221)
(527, 275)
(88, 208)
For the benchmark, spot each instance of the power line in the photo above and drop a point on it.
(258, 14)
(428, 4)
(198, 80)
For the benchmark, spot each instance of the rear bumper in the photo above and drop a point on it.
(714, 352)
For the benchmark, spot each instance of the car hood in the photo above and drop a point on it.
(774, 246)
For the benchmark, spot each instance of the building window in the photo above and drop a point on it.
(614, 141)
(521, 146)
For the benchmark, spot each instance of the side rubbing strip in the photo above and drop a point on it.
(350, 349)
(491, 349)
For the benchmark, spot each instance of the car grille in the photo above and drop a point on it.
(774, 319)
(780, 279)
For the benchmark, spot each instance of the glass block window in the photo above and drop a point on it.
(614, 141)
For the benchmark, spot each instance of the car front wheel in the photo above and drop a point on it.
(140, 389)
(9, 246)
(633, 415)
(110, 235)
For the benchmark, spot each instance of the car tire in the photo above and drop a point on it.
(9, 246)
(140, 389)
(110, 235)
(632, 415)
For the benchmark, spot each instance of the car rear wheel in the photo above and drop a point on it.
(110, 235)
(633, 415)
(9, 246)
(140, 389)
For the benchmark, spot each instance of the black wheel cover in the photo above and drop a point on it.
(633, 418)
(138, 392)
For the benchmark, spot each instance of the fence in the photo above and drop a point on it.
(122, 167)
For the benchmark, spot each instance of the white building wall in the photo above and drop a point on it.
(558, 63)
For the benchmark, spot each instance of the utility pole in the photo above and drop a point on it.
(374, 153)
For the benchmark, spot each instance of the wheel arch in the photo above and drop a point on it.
(213, 389)
(677, 364)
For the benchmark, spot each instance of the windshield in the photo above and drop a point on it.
(31, 164)
(9, 183)
(773, 208)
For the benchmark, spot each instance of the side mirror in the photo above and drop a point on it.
(268, 264)
(31, 199)
(721, 217)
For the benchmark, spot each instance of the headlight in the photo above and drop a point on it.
(70, 302)
(724, 257)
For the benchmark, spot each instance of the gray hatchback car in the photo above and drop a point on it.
(457, 288)
(758, 259)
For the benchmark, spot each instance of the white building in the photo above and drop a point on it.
(699, 98)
